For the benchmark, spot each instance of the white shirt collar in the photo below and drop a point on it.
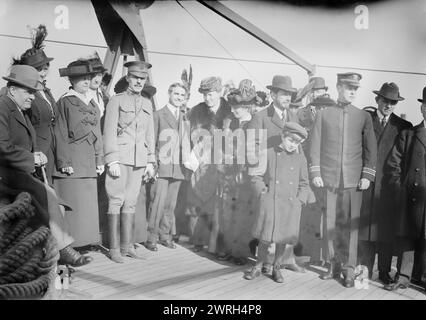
(85, 98)
(381, 115)
(172, 109)
(280, 112)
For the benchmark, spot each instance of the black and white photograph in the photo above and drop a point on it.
(224, 152)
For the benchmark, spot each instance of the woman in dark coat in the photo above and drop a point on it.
(79, 154)
(242, 102)
(285, 186)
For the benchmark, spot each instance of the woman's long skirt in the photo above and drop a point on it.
(81, 195)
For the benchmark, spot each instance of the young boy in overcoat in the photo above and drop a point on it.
(285, 188)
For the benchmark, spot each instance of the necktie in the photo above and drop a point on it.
(383, 122)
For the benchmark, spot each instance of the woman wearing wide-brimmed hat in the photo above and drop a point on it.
(240, 201)
(43, 109)
(79, 153)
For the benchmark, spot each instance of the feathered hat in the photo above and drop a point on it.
(35, 56)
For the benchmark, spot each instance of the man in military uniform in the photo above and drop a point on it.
(343, 153)
(129, 148)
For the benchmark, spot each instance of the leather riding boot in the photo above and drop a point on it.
(127, 231)
(114, 238)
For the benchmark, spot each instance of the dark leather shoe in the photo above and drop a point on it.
(167, 243)
(223, 256)
(240, 261)
(198, 248)
(385, 278)
(349, 282)
(266, 268)
(151, 246)
(333, 272)
(401, 282)
(277, 276)
(253, 273)
(69, 256)
(294, 267)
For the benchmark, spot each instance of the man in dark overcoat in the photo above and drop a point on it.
(19, 157)
(406, 168)
(377, 216)
(343, 153)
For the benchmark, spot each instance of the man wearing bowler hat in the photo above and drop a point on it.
(272, 120)
(406, 168)
(19, 157)
(377, 219)
(343, 153)
(129, 149)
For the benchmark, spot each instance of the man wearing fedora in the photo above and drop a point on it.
(43, 111)
(377, 219)
(406, 168)
(19, 158)
(272, 119)
(343, 153)
(129, 148)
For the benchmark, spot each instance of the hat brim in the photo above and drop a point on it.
(319, 88)
(380, 94)
(41, 63)
(291, 90)
(351, 83)
(38, 86)
(138, 74)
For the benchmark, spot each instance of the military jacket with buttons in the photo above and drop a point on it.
(406, 168)
(129, 130)
(343, 146)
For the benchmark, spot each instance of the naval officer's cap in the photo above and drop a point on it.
(351, 78)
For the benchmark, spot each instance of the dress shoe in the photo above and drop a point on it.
(223, 256)
(401, 282)
(254, 272)
(115, 255)
(198, 248)
(151, 246)
(333, 272)
(240, 261)
(266, 268)
(69, 256)
(175, 238)
(293, 267)
(132, 253)
(349, 282)
(167, 243)
(277, 276)
(385, 278)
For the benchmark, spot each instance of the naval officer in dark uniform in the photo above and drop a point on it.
(343, 153)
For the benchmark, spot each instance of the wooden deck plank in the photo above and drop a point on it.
(182, 274)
